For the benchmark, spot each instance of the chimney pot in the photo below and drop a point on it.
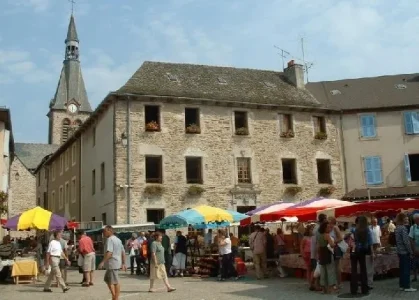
(290, 63)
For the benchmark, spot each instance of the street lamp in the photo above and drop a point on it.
(124, 139)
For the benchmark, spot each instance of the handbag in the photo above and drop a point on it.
(325, 256)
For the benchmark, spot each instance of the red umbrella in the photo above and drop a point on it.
(72, 225)
(3, 221)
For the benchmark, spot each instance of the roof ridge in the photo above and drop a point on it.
(363, 78)
(210, 66)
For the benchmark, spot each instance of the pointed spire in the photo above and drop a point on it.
(72, 32)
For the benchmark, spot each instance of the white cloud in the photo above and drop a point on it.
(8, 56)
(22, 67)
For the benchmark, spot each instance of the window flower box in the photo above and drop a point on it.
(195, 190)
(153, 190)
(287, 134)
(326, 191)
(320, 135)
(293, 190)
(152, 126)
(242, 131)
(193, 128)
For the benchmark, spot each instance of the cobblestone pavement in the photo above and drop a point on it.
(193, 289)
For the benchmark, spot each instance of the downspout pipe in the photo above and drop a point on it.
(342, 142)
(128, 184)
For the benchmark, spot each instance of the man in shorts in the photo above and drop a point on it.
(87, 250)
(113, 260)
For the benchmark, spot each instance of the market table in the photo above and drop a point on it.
(383, 263)
(25, 268)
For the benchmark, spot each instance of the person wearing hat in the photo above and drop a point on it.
(133, 250)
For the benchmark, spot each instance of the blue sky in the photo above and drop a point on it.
(344, 39)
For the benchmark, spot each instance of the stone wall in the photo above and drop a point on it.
(22, 189)
(220, 147)
(56, 121)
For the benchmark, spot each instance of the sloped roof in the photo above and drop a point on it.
(368, 93)
(71, 86)
(32, 154)
(72, 32)
(216, 83)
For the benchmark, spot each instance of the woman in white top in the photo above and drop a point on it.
(227, 258)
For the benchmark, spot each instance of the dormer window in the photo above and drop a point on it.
(221, 80)
(172, 77)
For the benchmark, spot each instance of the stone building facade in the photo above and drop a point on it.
(232, 138)
(23, 184)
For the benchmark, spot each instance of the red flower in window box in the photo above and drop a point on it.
(152, 126)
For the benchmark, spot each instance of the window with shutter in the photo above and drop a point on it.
(368, 129)
(373, 170)
(411, 122)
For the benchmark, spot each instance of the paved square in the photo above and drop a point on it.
(134, 287)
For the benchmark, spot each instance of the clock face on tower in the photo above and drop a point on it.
(72, 108)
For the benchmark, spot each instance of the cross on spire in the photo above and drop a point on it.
(72, 5)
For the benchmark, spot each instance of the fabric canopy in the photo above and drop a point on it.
(254, 215)
(306, 210)
(36, 218)
(373, 207)
(202, 216)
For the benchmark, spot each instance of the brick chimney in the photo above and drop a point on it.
(295, 74)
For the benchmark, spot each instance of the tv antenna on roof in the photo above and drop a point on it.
(283, 54)
(307, 64)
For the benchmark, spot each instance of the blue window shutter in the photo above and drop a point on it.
(408, 123)
(369, 175)
(364, 126)
(368, 126)
(378, 172)
(407, 167)
(373, 130)
(415, 122)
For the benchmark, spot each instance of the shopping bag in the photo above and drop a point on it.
(175, 262)
(316, 273)
(343, 246)
(80, 261)
(132, 252)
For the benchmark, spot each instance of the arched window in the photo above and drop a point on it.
(65, 130)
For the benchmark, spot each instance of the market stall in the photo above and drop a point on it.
(122, 231)
(203, 260)
(25, 266)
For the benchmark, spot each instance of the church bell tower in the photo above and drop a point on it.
(70, 106)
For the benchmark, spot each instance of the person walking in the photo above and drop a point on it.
(113, 261)
(257, 241)
(414, 237)
(361, 248)
(404, 251)
(53, 256)
(157, 264)
(234, 245)
(88, 253)
(376, 243)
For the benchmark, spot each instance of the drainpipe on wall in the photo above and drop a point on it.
(342, 142)
(80, 179)
(128, 189)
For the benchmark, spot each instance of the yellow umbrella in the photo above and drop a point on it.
(36, 218)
